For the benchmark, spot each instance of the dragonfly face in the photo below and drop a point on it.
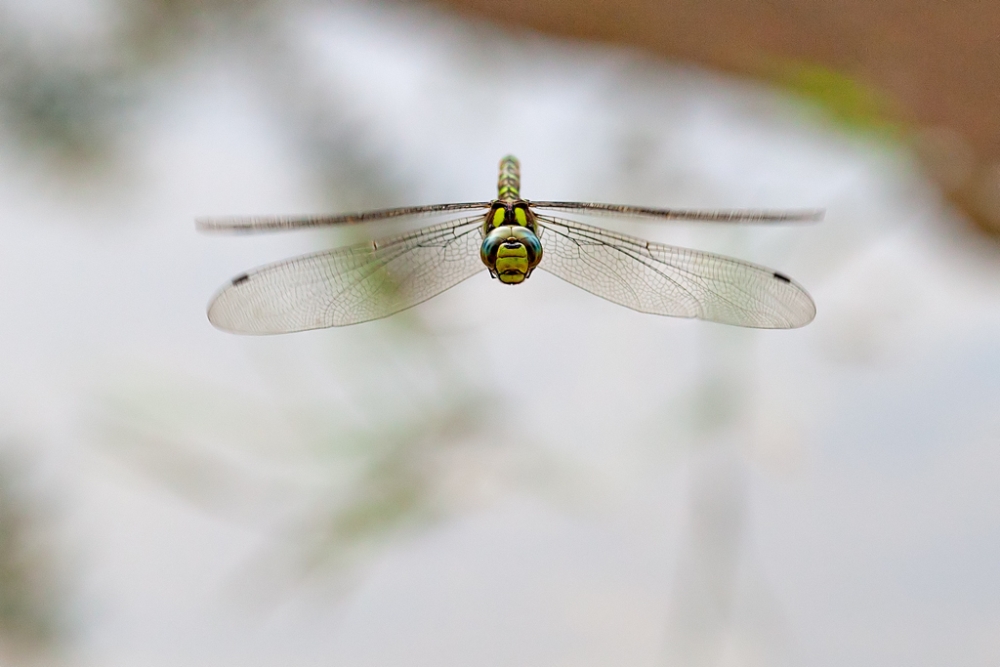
(511, 249)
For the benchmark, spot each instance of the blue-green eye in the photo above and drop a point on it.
(532, 243)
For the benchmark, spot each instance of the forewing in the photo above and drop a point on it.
(435, 213)
(584, 209)
(666, 280)
(349, 285)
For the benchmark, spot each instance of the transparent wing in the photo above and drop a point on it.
(352, 284)
(278, 223)
(746, 215)
(666, 280)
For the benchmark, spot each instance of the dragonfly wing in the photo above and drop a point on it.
(349, 285)
(435, 213)
(666, 280)
(584, 209)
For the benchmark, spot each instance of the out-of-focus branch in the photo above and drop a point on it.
(935, 63)
(30, 598)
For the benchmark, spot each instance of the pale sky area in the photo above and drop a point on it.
(598, 487)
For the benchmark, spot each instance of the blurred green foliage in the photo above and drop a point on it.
(850, 103)
(358, 469)
(76, 101)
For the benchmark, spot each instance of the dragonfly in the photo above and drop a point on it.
(509, 237)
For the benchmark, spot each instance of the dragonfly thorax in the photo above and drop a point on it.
(510, 212)
(511, 252)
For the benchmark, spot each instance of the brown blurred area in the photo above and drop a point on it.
(32, 600)
(932, 67)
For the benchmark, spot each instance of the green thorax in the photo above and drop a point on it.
(509, 183)
(516, 212)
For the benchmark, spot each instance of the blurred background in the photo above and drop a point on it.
(623, 490)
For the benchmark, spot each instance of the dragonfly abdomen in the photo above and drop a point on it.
(509, 183)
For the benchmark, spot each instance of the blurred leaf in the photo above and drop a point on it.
(849, 102)
(57, 98)
(158, 30)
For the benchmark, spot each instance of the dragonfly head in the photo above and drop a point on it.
(511, 253)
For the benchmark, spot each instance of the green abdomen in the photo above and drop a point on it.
(509, 183)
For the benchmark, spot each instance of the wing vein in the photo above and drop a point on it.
(353, 284)
(253, 224)
(667, 280)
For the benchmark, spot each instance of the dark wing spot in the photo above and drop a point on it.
(240, 279)
(782, 278)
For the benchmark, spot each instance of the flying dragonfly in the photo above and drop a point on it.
(509, 237)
